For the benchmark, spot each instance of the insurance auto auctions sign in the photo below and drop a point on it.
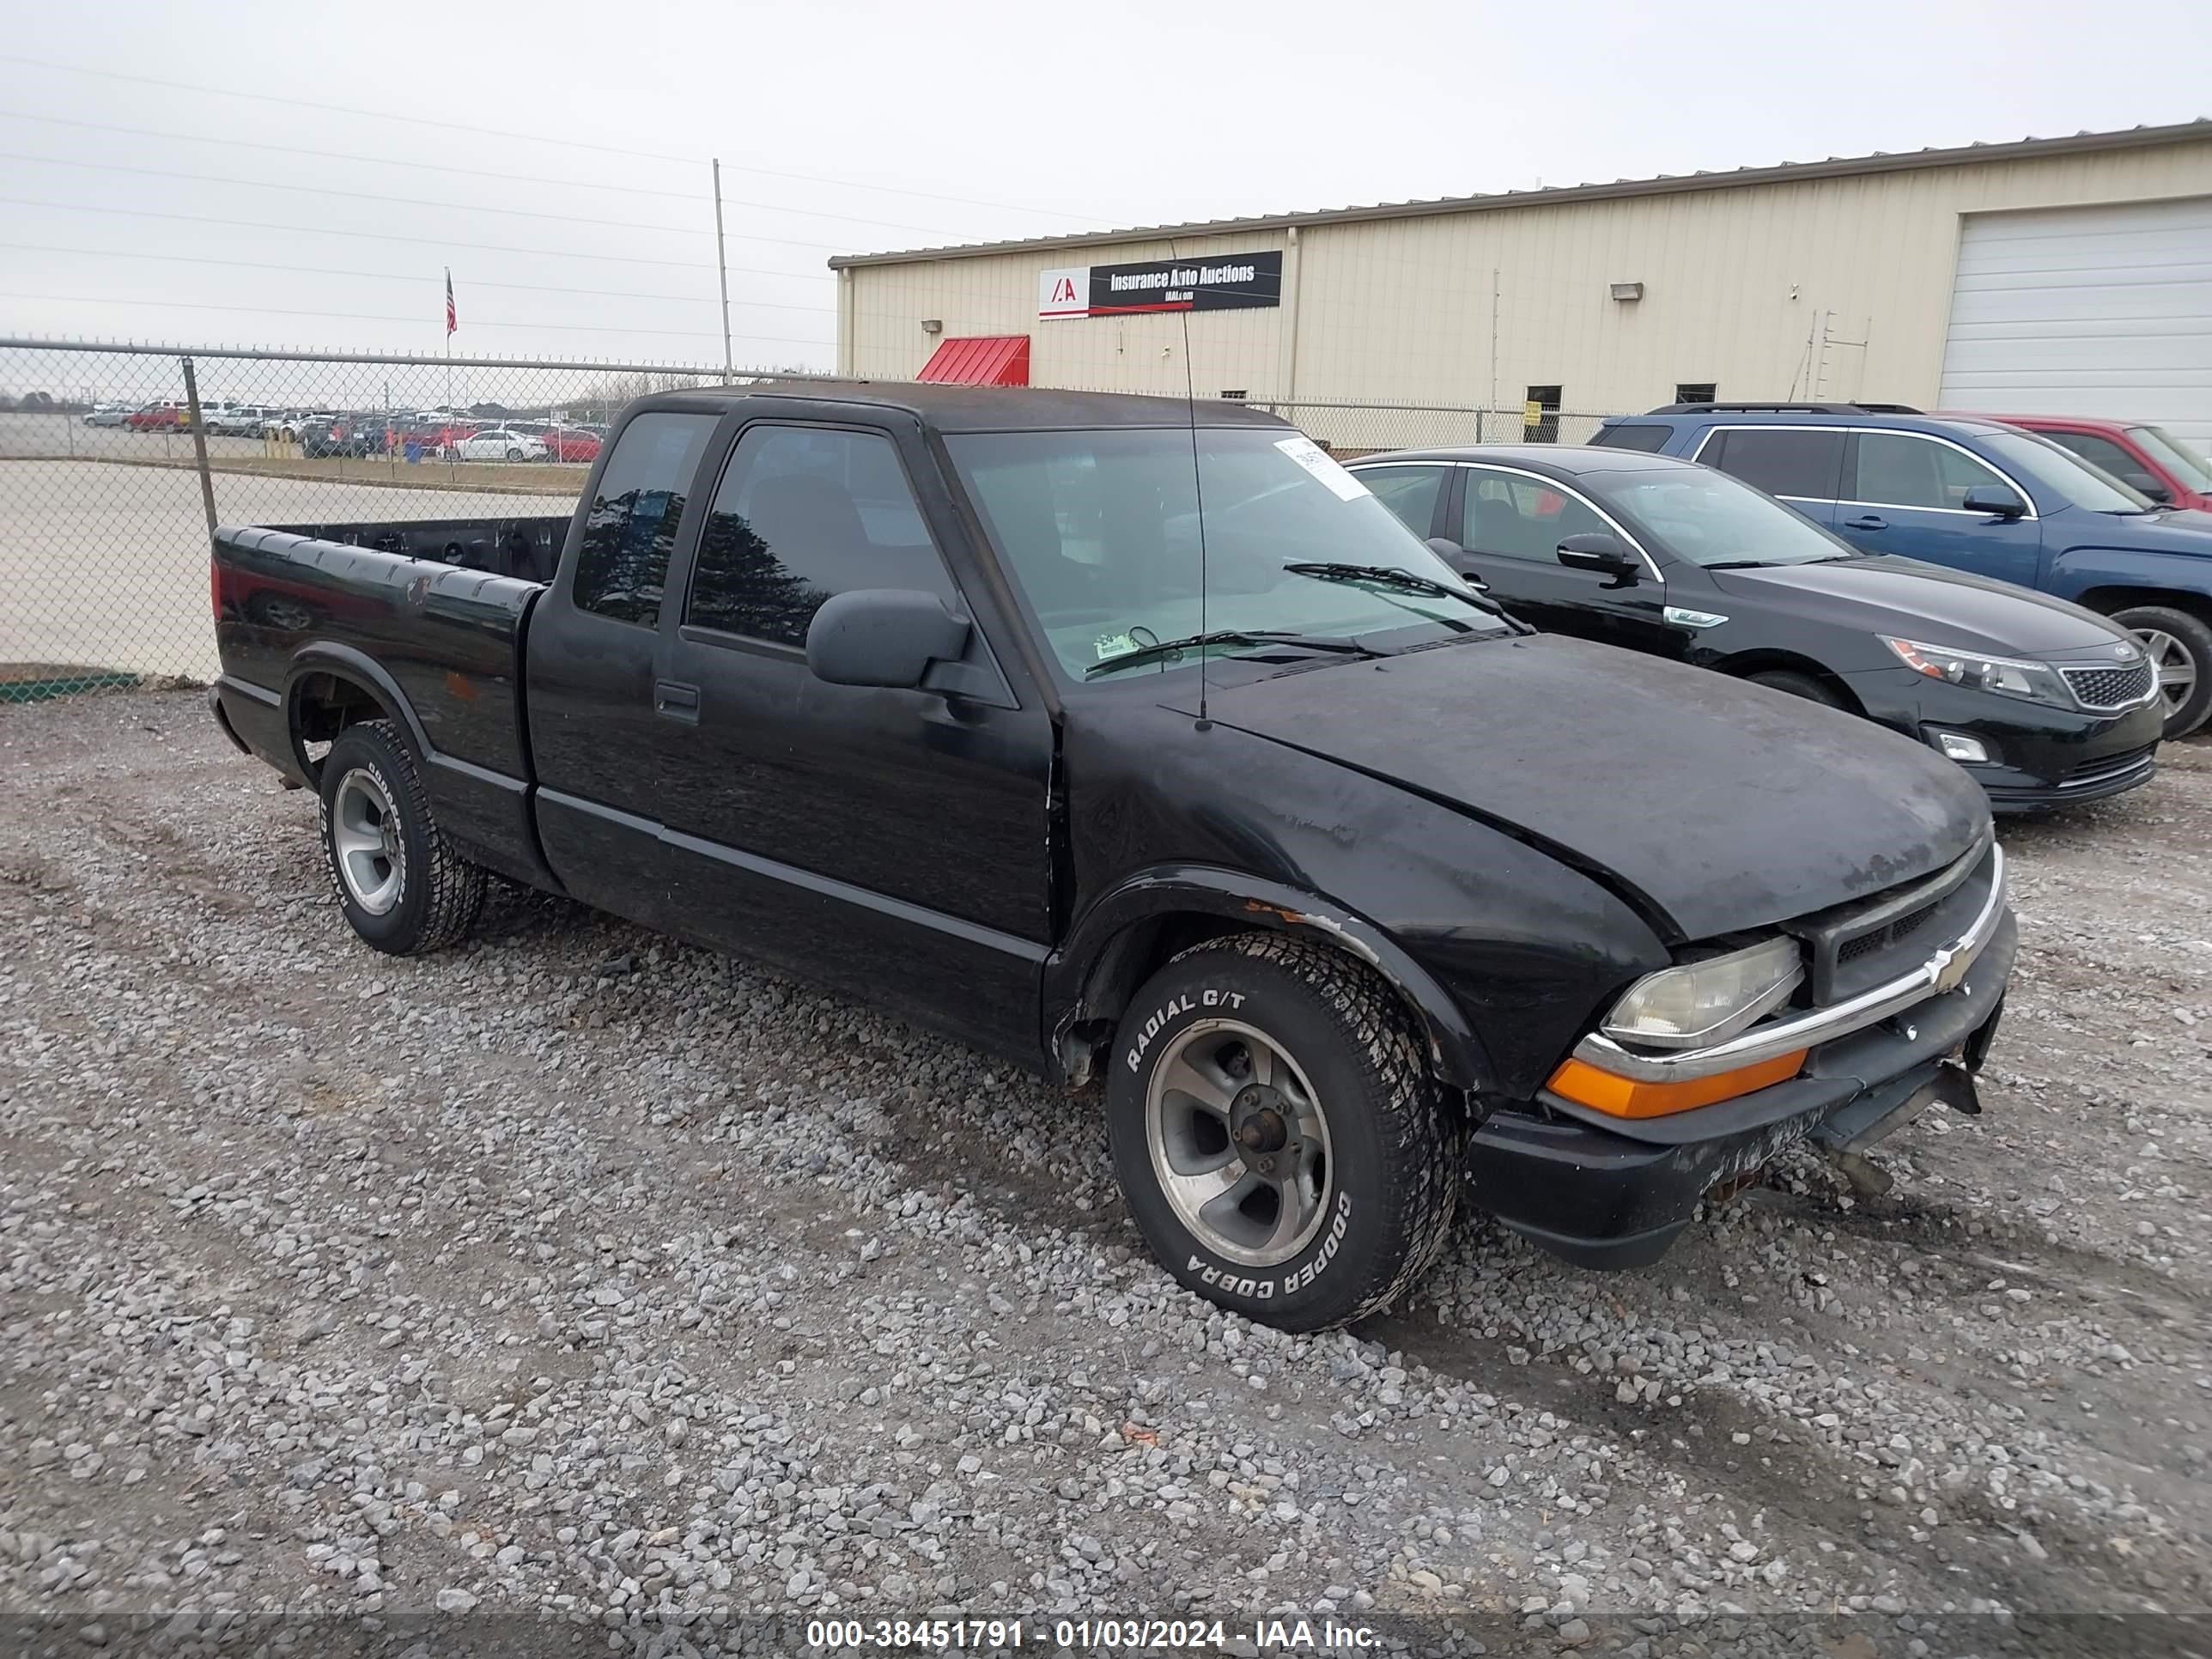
(1218, 282)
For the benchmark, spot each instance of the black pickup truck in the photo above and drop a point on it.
(1347, 884)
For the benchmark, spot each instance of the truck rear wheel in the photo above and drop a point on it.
(1280, 1141)
(402, 888)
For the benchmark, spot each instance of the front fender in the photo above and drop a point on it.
(2079, 570)
(1087, 977)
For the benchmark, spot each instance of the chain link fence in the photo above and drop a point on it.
(1352, 429)
(116, 460)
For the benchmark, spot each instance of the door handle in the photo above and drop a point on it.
(1867, 521)
(676, 701)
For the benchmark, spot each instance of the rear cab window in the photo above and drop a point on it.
(622, 564)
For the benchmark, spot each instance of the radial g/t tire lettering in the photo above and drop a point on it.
(1261, 1062)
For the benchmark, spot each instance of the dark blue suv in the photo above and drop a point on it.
(1975, 495)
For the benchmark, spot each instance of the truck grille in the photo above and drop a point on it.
(1859, 946)
(2110, 688)
(1896, 932)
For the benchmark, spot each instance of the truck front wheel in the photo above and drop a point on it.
(1280, 1141)
(402, 886)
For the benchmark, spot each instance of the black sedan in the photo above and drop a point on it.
(2044, 702)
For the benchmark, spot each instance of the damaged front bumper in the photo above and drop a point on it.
(1605, 1191)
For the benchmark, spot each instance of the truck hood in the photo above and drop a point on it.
(1709, 804)
(1887, 594)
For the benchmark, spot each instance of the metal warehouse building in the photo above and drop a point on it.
(2065, 275)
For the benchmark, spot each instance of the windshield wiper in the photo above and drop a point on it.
(1387, 575)
(1328, 644)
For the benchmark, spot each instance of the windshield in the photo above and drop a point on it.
(1100, 530)
(1710, 518)
(2073, 479)
(2178, 458)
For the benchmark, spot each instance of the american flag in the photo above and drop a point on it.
(452, 319)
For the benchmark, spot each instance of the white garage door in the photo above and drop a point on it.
(2086, 311)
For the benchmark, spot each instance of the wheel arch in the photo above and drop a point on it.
(1124, 936)
(329, 687)
(1744, 663)
(2107, 599)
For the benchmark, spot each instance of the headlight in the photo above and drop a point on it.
(1706, 1001)
(2007, 676)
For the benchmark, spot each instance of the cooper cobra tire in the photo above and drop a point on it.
(402, 886)
(1280, 1143)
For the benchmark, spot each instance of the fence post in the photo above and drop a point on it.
(199, 442)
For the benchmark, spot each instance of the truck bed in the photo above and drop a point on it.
(442, 634)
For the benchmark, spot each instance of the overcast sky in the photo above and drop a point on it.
(849, 125)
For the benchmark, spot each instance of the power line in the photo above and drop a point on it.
(378, 317)
(486, 172)
(321, 108)
(404, 276)
(402, 201)
(387, 236)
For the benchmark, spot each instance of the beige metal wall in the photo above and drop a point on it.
(1740, 286)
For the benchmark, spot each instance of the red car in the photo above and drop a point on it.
(2161, 466)
(567, 443)
(156, 417)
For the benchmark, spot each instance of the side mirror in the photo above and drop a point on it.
(2146, 485)
(1993, 498)
(883, 636)
(1601, 551)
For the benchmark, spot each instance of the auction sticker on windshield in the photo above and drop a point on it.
(1315, 459)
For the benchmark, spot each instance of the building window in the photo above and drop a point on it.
(1544, 406)
(1696, 391)
(1239, 396)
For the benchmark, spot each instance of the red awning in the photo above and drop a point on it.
(980, 359)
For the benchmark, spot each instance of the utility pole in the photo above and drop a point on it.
(722, 269)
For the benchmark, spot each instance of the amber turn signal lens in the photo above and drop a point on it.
(1622, 1097)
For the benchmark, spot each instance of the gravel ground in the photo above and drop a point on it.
(595, 1283)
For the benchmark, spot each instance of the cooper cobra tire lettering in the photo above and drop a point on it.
(1397, 1142)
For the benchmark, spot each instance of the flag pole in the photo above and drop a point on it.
(449, 339)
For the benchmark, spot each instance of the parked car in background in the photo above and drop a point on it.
(107, 415)
(436, 438)
(341, 437)
(2043, 702)
(235, 420)
(2146, 459)
(499, 443)
(573, 444)
(156, 417)
(1976, 495)
(899, 687)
